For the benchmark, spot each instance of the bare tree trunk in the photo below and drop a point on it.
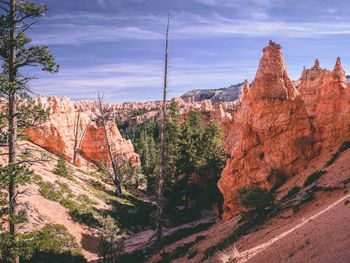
(12, 114)
(76, 134)
(116, 180)
(162, 144)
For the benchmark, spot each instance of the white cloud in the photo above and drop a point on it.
(71, 30)
(141, 80)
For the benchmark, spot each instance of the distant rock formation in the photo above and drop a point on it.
(229, 94)
(57, 133)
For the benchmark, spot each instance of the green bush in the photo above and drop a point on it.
(258, 202)
(255, 197)
(278, 178)
(345, 145)
(48, 191)
(291, 193)
(52, 243)
(313, 177)
(61, 167)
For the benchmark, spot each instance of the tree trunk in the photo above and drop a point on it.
(162, 145)
(116, 180)
(12, 114)
(76, 134)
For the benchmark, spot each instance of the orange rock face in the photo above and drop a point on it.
(326, 99)
(57, 134)
(270, 132)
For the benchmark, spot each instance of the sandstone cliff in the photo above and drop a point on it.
(326, 99)
(271, 134)
(57, 134)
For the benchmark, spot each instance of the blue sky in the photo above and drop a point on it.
(116, 46)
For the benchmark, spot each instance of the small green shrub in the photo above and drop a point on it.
(278, 178)
(291, 193)
(48, 191)
(61, 167)
(345, 145)
(313, 177)
(253, 197)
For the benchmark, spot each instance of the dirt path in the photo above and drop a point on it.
(250, 253)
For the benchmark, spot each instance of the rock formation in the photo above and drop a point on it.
(271, 132)
(326, 100)
(229, 94)
(57, 133)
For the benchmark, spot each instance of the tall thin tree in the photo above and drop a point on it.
(115, 176)
(16, 52)
(160, 192)
(76, 135)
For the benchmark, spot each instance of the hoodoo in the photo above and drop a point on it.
(273, 134)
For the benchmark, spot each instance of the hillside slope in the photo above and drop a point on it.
(78, 201)
(317, 232)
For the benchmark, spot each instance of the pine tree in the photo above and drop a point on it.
(172, 138)
(61, 167)
(17, 52)
(215, 156)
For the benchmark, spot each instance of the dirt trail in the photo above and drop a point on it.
(250, 253)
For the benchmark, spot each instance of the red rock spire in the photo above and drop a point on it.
(317, 64)
(245, 88)
(271, 79)
(338, 72)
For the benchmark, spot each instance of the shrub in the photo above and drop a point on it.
(258, 202)
(61, 167)
(111, 237)
(313, 177)
(52, 243)
(255, 197)
(278, 178)
(345, 145)
(291, 193)
(48, 191)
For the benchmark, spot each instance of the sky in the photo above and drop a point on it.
(116, 47)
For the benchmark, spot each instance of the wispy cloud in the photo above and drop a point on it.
(141, 80)
(67, 30)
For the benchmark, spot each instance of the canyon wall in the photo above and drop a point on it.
(57, 134)
(279, 127)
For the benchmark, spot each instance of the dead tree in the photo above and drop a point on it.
(115, 175)
(162, 166)
(76, 134)
(78, 138)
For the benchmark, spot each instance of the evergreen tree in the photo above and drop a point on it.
(191, 157)
(215, 156)
(172, 138)
(17, 52)
(61, 167)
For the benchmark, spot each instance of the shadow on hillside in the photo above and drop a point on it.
(90, 243)
(45, 257)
